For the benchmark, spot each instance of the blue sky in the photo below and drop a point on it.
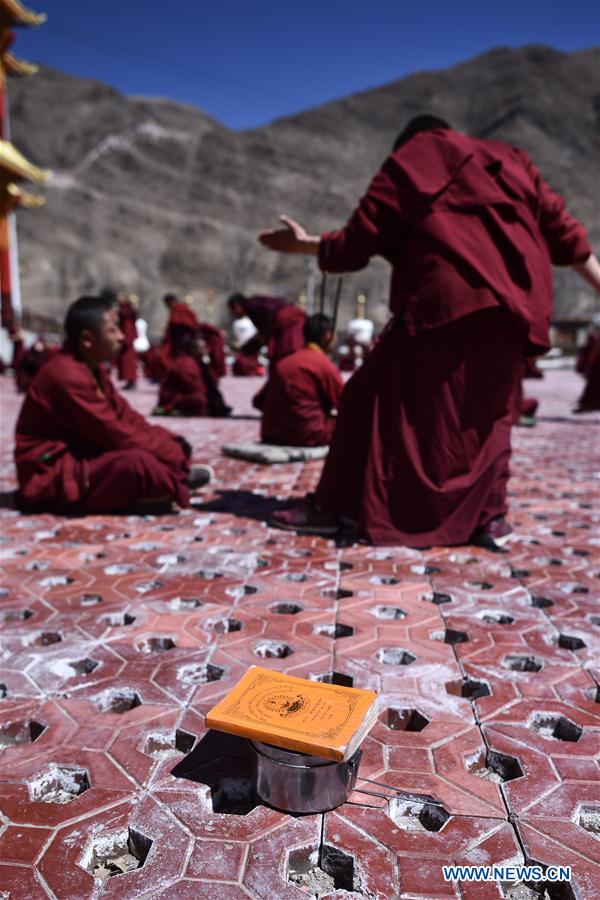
(246, 62)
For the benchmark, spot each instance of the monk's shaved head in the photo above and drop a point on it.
(86, 313)
(318, 329)
(419, 123)
(237, 305)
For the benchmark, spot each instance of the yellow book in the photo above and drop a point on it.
(297, 714)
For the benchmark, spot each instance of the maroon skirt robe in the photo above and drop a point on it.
(588, 365)
(420, 452)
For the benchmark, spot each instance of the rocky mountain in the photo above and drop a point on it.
(153, 195)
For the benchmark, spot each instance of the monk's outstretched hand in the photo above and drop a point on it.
(293, 238)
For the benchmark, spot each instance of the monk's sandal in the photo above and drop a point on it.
(199, 476)
(305, 519)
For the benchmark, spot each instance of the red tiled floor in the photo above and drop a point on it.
(158, 617)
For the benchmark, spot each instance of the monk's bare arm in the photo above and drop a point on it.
(589, 271)
(293, 238)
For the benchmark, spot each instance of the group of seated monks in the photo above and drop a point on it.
(81, 448)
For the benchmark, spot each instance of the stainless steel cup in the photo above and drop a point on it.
(299, 783)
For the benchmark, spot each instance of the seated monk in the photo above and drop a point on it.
(247, 364)
(303, 390)
(30, 361)
(189, 386)
(154, 363)
(80, 447)
(183, 318)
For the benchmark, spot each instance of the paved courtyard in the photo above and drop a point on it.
(119, 633)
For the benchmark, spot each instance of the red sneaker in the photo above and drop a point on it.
(305, 519)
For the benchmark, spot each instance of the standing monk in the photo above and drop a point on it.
(304, 390)
(421, 448)
(279, 324)
(127, 358)
(80, 447)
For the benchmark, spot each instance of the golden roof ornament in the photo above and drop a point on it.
(15, 66)
(14, 13)
(13, 163)
(24, 198)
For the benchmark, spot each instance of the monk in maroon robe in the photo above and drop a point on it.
(183, 319)
(304, 390)
(247, 364)
(80, 447)
(279, 324)
(154, 363)
(29, 361)
(420, 452)
(127, 359)
(189, 387)
(588, 365)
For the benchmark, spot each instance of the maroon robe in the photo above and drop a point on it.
(588, 364)
(215, 346)
(288, 332)
(420, 452)
(155, 363)
(261, 311)
(279, 324)
(18, 351)
(182, 318)
(246, 364)
(30, 361)
(127, 358)
(183, 388)
(523, 405)
(302, 391)
(81, 447)
(467, 225)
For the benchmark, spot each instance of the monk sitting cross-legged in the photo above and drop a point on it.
(182, 318)
(303, 390)
(80, 447)
(189, 386)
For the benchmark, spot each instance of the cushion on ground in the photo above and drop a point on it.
(273, 453)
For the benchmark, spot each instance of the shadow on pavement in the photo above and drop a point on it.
(245, 504)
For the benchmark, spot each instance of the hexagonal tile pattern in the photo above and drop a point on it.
(120, 633)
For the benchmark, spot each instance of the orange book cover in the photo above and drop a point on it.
(297, 714)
